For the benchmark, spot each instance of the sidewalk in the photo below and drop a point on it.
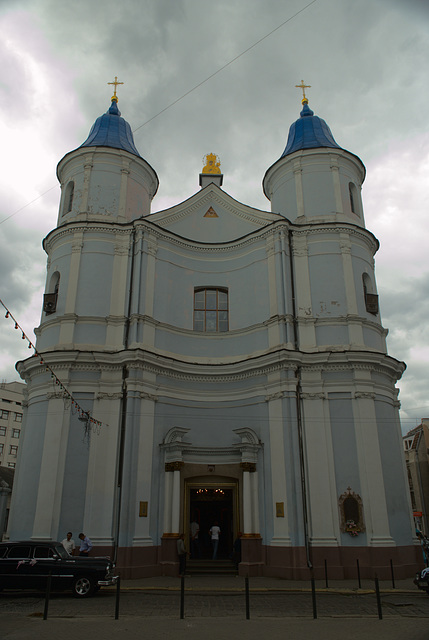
(216, 583)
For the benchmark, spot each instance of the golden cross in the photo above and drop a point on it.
(116, 84)
(303, 87)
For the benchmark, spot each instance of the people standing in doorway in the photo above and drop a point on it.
(215, 533)
(85, 545)
(68, 543)
(181, 552)
(195, 543)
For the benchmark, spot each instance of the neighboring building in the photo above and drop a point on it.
(11, 401)
(11, 411)
(416, 447)
(236, 359)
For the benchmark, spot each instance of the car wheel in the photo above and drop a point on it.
(83, 587)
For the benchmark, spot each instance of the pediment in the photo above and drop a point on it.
(211, 215)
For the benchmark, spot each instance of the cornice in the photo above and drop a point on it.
(309, 229)
(263, 365)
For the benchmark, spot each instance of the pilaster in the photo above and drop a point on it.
(370, 465)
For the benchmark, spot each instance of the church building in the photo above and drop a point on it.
(231, 363)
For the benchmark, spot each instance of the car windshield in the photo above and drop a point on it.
(62, 552)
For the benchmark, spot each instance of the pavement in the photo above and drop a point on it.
(214, 608)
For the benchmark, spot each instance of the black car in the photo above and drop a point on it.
(27, 565)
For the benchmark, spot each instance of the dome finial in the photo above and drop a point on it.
(303, 87)
(115, 97)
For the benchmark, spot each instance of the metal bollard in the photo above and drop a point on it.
(182, 597)
(118, 592)
(358, 572)
(47, 596)
(377, 593)
(326, 574)
(246, 584)
(313, 597)
(392, 574)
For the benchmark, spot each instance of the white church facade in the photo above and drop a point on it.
(235, 358)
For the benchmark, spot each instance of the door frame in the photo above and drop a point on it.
(230, 483)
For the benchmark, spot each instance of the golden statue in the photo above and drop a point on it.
(212, 163)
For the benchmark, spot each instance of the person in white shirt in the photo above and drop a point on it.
(215, 533)
(68, 543)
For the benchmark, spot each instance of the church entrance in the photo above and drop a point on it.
(209, 503)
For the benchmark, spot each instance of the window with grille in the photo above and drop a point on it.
(210, 309)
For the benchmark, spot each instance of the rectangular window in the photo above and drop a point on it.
(11, 465)
(13, 450)
(210, 310)
(4, 414)
(2, 431)
(16, 433)
(1, 448)
(18, 417)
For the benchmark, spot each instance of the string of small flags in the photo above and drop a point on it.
(84, 416)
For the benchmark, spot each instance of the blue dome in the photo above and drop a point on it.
(309, 132)
(110, 130)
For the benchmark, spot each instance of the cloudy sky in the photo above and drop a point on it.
(366, 62)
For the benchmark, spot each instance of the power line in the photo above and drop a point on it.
(187, 92)
(255, 44)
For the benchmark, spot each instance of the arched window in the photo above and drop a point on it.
(371, 299)
(210, 309)
(50, 298)
(354, 198)
(68, 197)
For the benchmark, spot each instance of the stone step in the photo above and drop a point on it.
(210, 567)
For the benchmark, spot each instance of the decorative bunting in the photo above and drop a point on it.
(84, 416)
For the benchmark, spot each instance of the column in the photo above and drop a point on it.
(120, 292)
(144, 489)
(337, 186)
(255, 501)
(371, 470)
(247, 497)
(101, 498)
(279, 483)
(68, 321)
(304, 311)
(297, 171)
(321, 491)
(168, 496)
(354, 326)
(86, 180)
(172, 515)
(52, 466)
(122, 213)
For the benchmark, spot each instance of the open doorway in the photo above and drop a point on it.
(208, 503)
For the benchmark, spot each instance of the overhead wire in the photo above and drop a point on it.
(184, 95)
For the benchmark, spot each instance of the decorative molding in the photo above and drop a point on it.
(313, 396)
(174, 466)
(55, 395)
(102, 395)
(250, 467)
(365, 395)
(275, 396)
(122, 250)
(77, 246)
(147, 396)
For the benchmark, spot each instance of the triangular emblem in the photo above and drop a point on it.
(211, 213)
